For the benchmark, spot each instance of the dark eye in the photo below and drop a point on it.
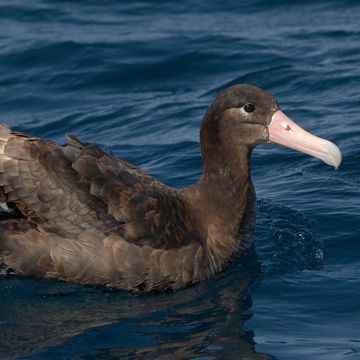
(249, 107)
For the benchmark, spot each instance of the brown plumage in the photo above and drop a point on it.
(90, 217)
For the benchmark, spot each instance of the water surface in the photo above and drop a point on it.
(136, 78)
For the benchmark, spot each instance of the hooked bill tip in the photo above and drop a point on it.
(332, 156)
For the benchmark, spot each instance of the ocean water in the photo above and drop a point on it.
(136, 78)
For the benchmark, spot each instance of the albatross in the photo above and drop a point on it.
(83, 215)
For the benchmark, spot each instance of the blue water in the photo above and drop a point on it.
(136, 77)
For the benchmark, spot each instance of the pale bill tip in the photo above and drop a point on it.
(334, 155)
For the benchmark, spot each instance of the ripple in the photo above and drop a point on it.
(286, 241)
(136, 78)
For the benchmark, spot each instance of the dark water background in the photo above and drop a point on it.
(136, 78)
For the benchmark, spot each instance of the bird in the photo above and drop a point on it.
(80, 214)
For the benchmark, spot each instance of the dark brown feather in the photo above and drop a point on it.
(93, 218)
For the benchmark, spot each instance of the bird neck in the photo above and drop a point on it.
(226, 169)
(222, 200)
(226, 183)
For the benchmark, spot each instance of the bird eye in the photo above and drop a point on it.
(249, 107)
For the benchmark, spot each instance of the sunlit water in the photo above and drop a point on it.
(136, 77)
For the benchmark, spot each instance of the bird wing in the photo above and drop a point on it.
(36, 177)
(78, 187)
(151, 213)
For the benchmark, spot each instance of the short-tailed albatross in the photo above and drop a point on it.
(86, 216)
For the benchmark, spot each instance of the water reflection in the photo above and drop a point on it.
(53, 320)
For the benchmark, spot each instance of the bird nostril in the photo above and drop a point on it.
(286, 127)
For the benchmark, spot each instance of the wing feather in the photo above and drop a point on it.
(94, 218)
(151, 213)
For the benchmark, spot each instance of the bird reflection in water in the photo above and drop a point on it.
(53, 320)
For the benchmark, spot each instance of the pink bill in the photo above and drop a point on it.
(284, 131)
